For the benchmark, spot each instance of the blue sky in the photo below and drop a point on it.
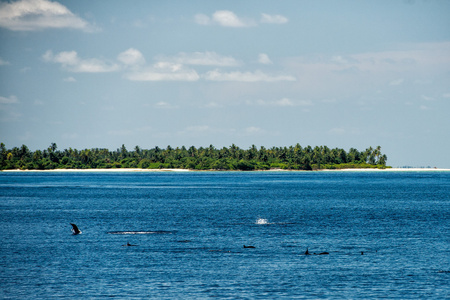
(99, 74)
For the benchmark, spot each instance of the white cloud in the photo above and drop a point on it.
(264, 59)
(446, 95)
(319, 74)
(175, 68)
(228, 19)
(256, 76)
(283, 102)
(204, 59)
(164, 71)
(223, 18)
(273, 19)
(65, 57)
(425, 57)
(70, 61)
(9, 100)
(32, 15)
(131, 57)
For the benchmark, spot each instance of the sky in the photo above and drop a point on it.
(346, 74)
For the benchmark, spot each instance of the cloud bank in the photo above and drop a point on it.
(255, 76)
(168, 68)
(203, 59)
(70, 61)
(33, 15)
(164, 71)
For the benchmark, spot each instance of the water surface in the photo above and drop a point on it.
(387, 235)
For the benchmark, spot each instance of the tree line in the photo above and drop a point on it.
(202, 158)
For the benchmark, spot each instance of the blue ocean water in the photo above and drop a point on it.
(387, 235)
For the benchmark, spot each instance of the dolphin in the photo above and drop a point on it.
(249, 247)
(75, 229)
(128, 245)
(307, 252)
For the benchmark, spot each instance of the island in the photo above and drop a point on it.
(192, 158)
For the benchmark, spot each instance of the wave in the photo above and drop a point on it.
(141, 232)
(261, 221)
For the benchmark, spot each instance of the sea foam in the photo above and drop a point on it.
(261, 221)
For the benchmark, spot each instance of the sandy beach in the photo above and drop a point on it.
(118, 170)
(391, 170)
(128, 170)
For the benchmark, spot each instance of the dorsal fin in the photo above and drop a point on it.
(75, 229)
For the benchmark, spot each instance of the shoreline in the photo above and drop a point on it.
(112, 170)
(390, 170)
(131, 170)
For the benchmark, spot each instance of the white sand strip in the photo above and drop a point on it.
(119, 170)
(124, 170)
(392, 170)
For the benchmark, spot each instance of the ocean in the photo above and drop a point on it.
(383, 235)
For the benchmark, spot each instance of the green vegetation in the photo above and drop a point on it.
(232, 158)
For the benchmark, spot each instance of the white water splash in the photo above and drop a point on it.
(261, 221)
